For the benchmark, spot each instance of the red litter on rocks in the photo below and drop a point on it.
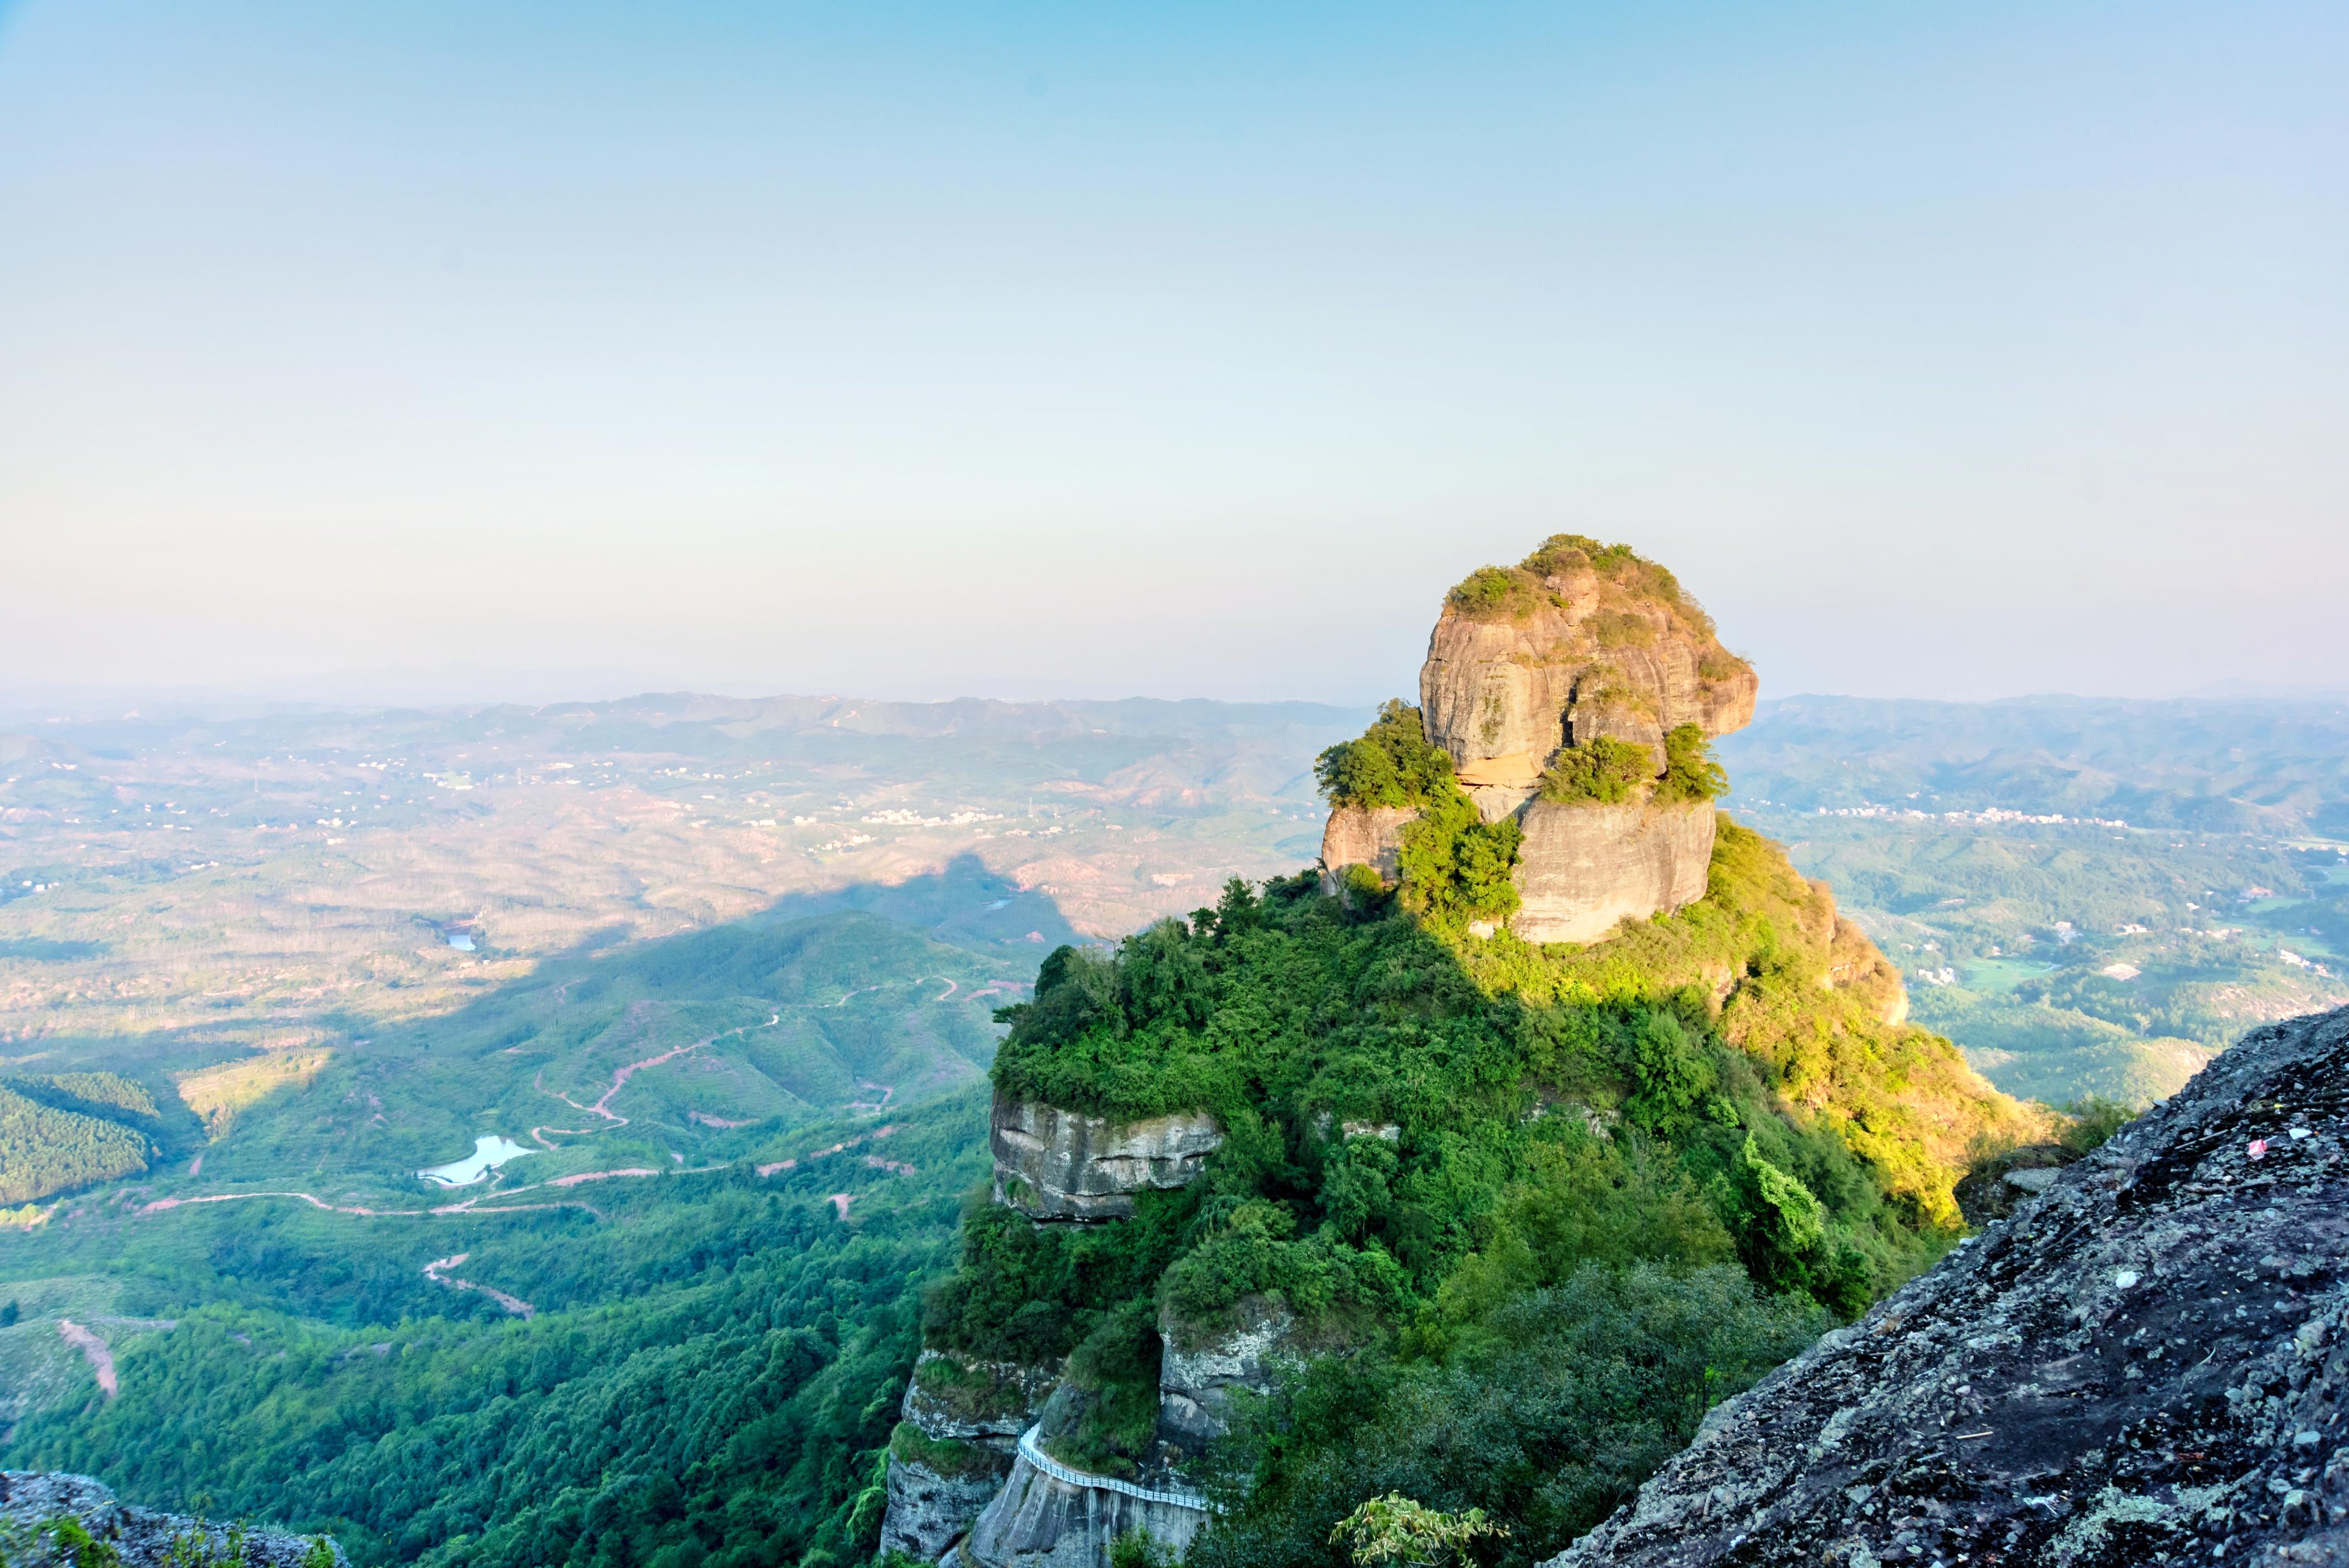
(2259, 1148)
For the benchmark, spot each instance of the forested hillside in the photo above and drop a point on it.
(64, 1131)
(709, 1373)
(1532, 1210)
(2090, 895)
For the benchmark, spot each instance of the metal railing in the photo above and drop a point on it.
(1035, 1455)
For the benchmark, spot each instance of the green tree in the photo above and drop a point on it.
(1396, 1529)
(1690, 771)
(1601, 771)
(1392, 764)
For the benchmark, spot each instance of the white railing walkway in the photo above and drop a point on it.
(1035, 1455)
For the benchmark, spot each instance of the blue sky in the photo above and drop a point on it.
(1023, 350)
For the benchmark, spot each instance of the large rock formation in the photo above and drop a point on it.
(1367, 836)
(1050, 1516)
(1055, 1164)
(1582, 870)
(33, 1503)
(1581, 641)
(1198, 1372)
(2146, 1364)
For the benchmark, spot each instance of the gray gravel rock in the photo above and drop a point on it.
(30, 1499)
(2147, 1363)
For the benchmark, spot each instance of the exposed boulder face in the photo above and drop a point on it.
(2146, 1363)
(932, 1506)
(1573, 650)
(1198, 1371)
(955, 1396)
(1366, 836)
(1042, 1519)
(1055, 1164)
(30, 1499)
(1582, 870)
(959, 1431)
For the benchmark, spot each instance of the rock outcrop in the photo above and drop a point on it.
(1050, 1516)
(931, 1506)
(32, 1501)
(1367, 836)
(955, 1447)
(2148, 1362)
(1198, 1372)
(1581, 641)
(967, 1478)
(1583, 869)
(1055, 1164)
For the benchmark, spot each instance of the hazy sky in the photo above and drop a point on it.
(924, 350)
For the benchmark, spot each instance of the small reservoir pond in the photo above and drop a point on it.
(488, 1153)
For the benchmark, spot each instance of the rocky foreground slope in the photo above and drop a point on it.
(34, 1504)
(2146, 1364)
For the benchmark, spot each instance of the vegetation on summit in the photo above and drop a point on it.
(1392, 764)
(1601, 771)
(1628, 586)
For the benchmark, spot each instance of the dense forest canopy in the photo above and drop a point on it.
(46, 1148)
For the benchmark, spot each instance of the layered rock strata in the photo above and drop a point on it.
(31, 1501)
(970, 1476)
(1055, 1164)
(1050, 1515)
(2148, 1362)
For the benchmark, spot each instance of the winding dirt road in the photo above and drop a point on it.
(437, 1271)
(620, 1076)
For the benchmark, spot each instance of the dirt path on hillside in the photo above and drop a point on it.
(94, 1350)
(436, 1271)
(620, 1076)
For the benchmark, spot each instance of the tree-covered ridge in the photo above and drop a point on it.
(1689, 1096)
(710, 1380)
(93, 1094)
(44, 1149)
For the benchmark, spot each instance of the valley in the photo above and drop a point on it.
(2089, 896)
(478, 1071)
